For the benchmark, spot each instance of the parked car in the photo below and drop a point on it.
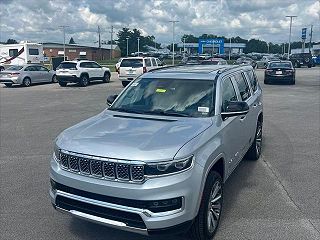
(316, 60)
(280, 72)
(263, 63)
(301, 59)
(82, 72)
(26, 75)
(214, 61)
(246, 60)
(192, 60)
(132, 67)
(117, 66)
(157, 159)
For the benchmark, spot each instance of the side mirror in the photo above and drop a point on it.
(235, 109)
(111, 99)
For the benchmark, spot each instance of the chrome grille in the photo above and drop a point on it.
(102, 168)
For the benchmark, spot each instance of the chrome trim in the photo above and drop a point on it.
(140, 211)
(104, 221)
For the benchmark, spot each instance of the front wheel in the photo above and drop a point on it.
(54, 79)
(26, 82)
(254, 151)
(207, 221)
(84, 81)
(106, 78)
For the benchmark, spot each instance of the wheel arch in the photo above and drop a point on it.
(84, 74)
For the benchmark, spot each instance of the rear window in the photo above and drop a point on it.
(33, 51)
(134, 63)
(148, 62)
(210, 62)
(67, 65)
(15, 68)
(280, 65)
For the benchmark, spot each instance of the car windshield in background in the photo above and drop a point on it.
(67, 65)
(15, 68)
(210, 62)
(280, 65)
(134, 63)
(171, 97)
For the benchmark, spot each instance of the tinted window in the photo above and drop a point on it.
(210, 62)
(228, 93)
(134, 63)
(243, 87)
(33, 51)
(148, 62)
(43, 69)
(280, 65)
(15, 68)
(186, 97)
(30, 68)
(85, 65)
(13, 52)
(67, 65)
(153, 62)
(253, 80)
(159, 62)
(95, 65)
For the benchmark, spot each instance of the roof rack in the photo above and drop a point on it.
(165, 67)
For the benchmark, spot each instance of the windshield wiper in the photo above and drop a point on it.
(167, 113)
(127, 110)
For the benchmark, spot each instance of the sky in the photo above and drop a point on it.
(40, 20)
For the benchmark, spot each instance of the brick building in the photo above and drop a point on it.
(74, 51)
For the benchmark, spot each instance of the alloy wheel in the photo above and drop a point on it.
(259, 139)
(214, 207)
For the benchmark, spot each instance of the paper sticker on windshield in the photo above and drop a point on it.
(203, 109)
(134, 84)
(160, 90)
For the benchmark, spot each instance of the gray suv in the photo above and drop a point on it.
(157, 159)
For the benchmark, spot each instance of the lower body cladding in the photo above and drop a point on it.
(13, 80)
(160, 205)
(279, 79)
(127, 79)
(68, 78)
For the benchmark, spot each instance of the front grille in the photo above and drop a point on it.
(102, 168)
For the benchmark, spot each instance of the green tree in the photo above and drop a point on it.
(71, 41)
(11, 41)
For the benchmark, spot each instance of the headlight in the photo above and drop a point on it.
(163, 168)
(57, 152)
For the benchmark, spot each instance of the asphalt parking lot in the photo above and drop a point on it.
(277, 197)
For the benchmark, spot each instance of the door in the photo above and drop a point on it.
(86, 67)
(154, 63)
(232, 126)
(97, 70)
(33, 73)
(44, 74)
(148, 64)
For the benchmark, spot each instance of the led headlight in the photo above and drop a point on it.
(173, 166)
(57, 152)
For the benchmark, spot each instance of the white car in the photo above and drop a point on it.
(132, 67)
(82, 72)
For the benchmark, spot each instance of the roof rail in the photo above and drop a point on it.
(165, 67)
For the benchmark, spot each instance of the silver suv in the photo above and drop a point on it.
(157, 159)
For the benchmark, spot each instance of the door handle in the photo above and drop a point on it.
(242, 118)
(255, 105)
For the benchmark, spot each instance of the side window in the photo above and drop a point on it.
(153, 62)
(159, 62)
(95, 65)
(43, 69)
(253, 80)
(30, 68)
(148, 62)
(33, 51)
(13, 52)
(84, 65)
(243, 87)
(228, 93)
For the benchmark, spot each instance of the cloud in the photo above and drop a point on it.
(39, 20)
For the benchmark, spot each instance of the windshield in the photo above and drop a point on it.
(210, 62)
(15, 68)
(280, 65)
(134, 63)
(176, 97)
(67, 65)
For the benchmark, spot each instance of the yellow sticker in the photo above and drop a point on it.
(161, 90)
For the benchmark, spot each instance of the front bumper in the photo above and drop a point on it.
(68, 78)
(185, 185)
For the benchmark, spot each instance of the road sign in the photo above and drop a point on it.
(304, 33)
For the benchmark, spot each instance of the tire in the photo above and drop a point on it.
(266, 81)
(296, 65)
(310, 66)
(62, 84)
(106, 77)
(1, 69)
(201, 228)
(26, 82)
(8, 84)
(84, 80)
(54, 79)
(124, 83)
(254, 151)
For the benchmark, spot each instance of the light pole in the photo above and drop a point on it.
(212, 48)
(138, 46)
(127, 46)
(173, 23)
(230, 49)
(291, 17)
(184, 47)
(64, 40)
(268, 48)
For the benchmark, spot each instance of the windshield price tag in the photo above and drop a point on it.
(203, 109)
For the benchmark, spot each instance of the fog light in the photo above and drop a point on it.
(165, 205)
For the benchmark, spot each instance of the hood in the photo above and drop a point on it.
(131, 136)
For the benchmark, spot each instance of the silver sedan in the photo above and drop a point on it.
(26, 75)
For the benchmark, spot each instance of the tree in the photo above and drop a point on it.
(11, 41)
(71, 41)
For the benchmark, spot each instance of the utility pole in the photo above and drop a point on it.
(111, 47)
(291, 17)
(184, 47)
(127, 46)
(311, 31)
(173, 24)
(230, 49)
(138, 46)
(268, 47)
(63, 27)
(212, 48)
(99, 42)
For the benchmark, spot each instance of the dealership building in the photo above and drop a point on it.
(75, 51)
(208, 45)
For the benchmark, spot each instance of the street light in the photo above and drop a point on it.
(127, 46)
(138, 46)
(173, 23)
(291, 17)
(64, 40)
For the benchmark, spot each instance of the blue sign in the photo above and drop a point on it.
(304, 33)
(217, 41)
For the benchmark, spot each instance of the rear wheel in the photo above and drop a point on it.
(207, 221)
(106, 77)
(8, 84)
(84, 81)
(54, 79)
(62, 84)
(26, 82)
(254, 151)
